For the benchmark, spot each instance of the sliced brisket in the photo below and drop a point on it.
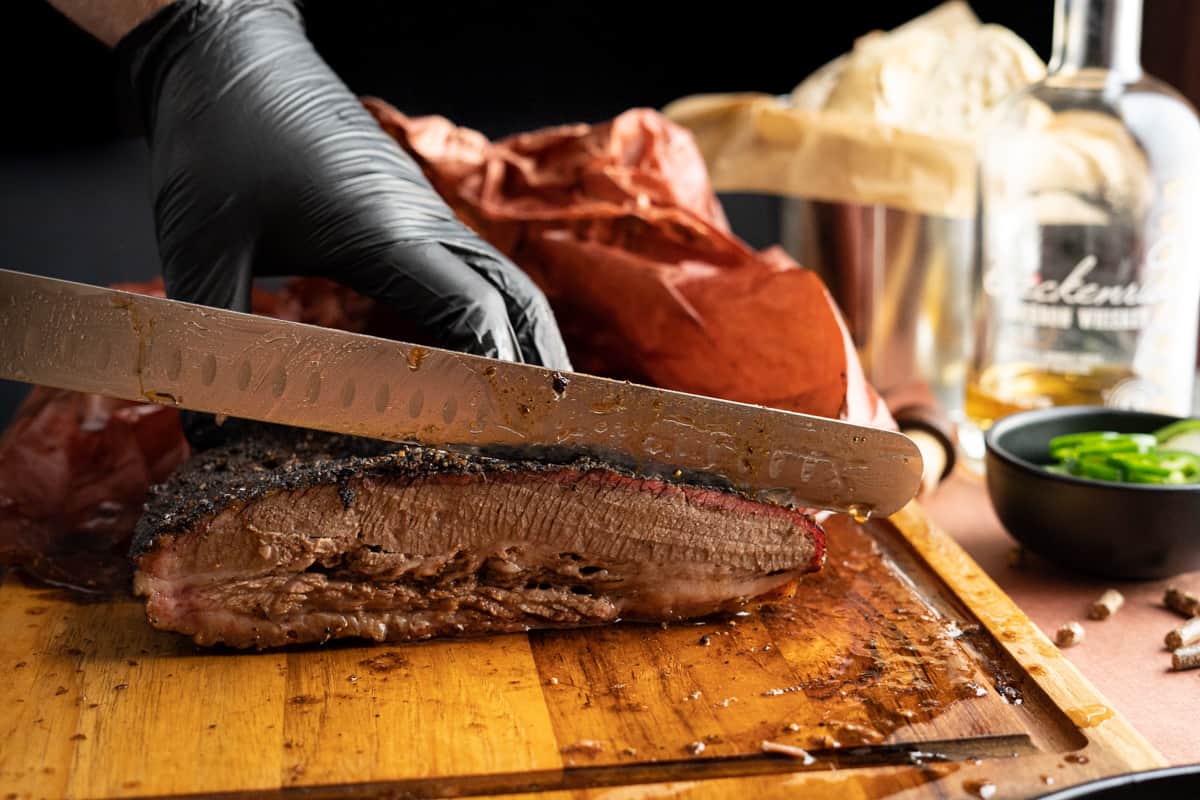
(310, 537)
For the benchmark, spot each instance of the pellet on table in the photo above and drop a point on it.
(1108, 604)
(1186, 658)
(1017, 558)
(1185, 634)
(1181, 601)
(1069, 635)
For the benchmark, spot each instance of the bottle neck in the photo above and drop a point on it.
(1098, 35)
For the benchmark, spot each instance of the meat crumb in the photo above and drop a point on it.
(586, 747)
(695, 748)
(800, 753)
(982, 788)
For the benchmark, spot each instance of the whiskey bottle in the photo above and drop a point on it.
(1088, 284)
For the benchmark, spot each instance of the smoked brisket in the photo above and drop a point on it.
(308, 537)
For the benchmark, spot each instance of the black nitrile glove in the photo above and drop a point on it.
(264, 163)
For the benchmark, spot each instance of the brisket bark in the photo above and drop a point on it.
(309, 537)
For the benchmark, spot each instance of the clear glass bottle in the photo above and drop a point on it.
(1089, 210)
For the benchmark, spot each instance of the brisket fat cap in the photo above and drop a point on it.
(308, 537)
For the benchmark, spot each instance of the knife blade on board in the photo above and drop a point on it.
(130, 346)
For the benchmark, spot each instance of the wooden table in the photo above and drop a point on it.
(1124, 656)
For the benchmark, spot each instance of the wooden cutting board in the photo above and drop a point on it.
(902, 669)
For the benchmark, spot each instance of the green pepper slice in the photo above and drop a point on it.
(1075, 439)
(1141, 467)
(1097, 468)
(1127, 457)
(1181, 461)
(1176, 428)
(1078, 445)
(1168, 466)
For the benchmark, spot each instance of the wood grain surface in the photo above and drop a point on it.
(901, 669)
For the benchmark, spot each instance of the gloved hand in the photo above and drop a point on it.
(264, 163)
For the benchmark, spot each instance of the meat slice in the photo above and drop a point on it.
(309, 537)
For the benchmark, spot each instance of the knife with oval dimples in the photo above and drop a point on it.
(92, 339)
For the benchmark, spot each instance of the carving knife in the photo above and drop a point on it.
(130, 346)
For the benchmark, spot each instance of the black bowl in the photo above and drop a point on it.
(1115, 530)
(1170, 783)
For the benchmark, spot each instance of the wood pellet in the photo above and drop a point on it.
(1186, 658)
(1017, 558)
(1069, 635)
(1185, 634)
(1108, 604)
(1181, 602)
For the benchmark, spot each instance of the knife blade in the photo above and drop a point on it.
(92, 339)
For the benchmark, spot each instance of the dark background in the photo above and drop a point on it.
(73, 201)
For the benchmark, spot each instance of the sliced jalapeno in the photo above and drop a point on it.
(1103, 443)
(1174, 429)
(1128, 457)
(1096, 467)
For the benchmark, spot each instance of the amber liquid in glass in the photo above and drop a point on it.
(1004, 389)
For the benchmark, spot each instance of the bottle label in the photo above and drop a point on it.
(1078, 300)
(1101, 301)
